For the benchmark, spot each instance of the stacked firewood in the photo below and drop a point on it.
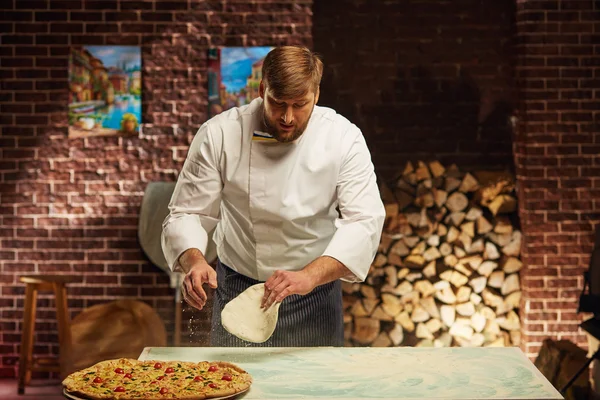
(447, 269)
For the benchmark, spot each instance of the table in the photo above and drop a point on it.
(377, 373)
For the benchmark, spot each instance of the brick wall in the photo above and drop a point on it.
(422, 79)
(71, 205)
(557, 156)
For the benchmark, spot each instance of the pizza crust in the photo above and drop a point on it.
(244, 318)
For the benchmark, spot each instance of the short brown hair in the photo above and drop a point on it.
(291, 71)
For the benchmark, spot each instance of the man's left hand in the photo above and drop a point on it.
(285, 283)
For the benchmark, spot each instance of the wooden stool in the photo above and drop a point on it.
(34, 284)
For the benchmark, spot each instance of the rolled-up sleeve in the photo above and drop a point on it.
(359, 227)
(194, 206)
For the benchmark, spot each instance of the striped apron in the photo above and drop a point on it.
(313, 320)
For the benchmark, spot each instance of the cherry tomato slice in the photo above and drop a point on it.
(158, 366)
(227, 377)
(153, 382)
(213, 385)
(160, 378)
(119, 389)
(169, 370)
(128, 376)
(98, 380)
(163, 390)
(119, 371)
(212, 368)
(198, 378)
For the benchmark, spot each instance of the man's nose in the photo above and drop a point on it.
(288, 116)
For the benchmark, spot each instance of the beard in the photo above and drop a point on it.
(274, 129)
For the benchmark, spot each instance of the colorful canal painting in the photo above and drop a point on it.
(234, 74)
(105, 87)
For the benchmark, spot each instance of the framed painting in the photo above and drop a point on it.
(234, 74)
(105, 85)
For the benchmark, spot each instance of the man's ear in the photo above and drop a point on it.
(317, 95)
(261, 89)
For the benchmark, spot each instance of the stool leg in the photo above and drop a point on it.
(27, 337)
(64, 328)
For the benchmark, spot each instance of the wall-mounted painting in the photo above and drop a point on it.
(105, 86)
(234, 74)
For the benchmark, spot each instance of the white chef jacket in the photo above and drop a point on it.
(274, 205)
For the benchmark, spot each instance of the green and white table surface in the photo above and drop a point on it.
(377, 373)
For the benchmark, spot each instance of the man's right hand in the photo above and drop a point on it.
(198, 272)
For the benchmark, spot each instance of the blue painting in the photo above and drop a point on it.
(105, 87)
(234, 75)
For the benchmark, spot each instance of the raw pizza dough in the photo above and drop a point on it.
(244, 318)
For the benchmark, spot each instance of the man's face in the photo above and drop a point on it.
(286, 119)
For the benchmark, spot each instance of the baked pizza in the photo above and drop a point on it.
(126, 378)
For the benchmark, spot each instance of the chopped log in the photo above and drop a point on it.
(465, 309)
(391, 275)
(358, 310)
(448, 315)
(383, 340)
(452, 184)
(397, 335)
(514, 247)
(464, 294)
(365, 330)
(368, 292)
(503, 204)
(462, 269)
(433, 325)
(411, 242)
(511, 265)
(384, 244)
(478, 284)
(474, 298)
(370, 304)
(478, 322)
(446, 296)
(436, 168)
(455, 218)
(457, 201)
(430, 270)
(491, 252)
(419, 314)
(381, 315)
(487, 267)
(425, 287)
(510, 322)
(468, 228)
(380, 260)
(461, 330)
(404, 319)
(444, 340)
(423, 332)
(496, 279)
(474, 214)
(483, 226)
(476, 246)
(403, 199)
(511, 284)
(468, 184)
(391, 304)
(428, 304)
(431, 253)
(445, 249)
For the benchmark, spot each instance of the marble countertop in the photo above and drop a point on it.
(377, 373)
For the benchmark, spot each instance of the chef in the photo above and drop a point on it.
(290, 192)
